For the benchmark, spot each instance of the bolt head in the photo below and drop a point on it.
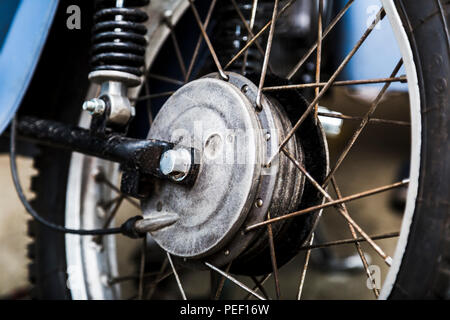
(95, 106)
(167, 162)
(175, 163)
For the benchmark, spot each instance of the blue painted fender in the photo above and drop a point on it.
(21, 43)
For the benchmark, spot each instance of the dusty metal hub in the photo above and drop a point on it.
(234, 187)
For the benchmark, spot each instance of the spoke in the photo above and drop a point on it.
(199, 41)
(165, 79)
(234, 280)
(354, 235)
(273, 259)
(250, 32)
(221, 283)
(107, 204)
(333, 203)
(252, 24)
(222, 73)
(132, 277)
(380, 15)
(387, 259)
(176, 46)
(148, 103)
(350, 241)
(267, 55)
(111, 215)
(163, 276)
(258, 286)
(325, 33)
(371, 120)
(318, 55)
(142, 268)
(100, 177)
(260, 32)
(155, 95)
(363, 124)
(183, 295)
(305, 268)
(160, 277)
(336, 83)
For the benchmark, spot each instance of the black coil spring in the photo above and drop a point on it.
(231, 35)
(119, 45)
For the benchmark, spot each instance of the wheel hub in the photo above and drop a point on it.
(234, 187)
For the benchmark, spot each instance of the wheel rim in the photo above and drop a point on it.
(89, 268)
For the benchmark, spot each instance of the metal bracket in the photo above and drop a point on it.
(140, 159)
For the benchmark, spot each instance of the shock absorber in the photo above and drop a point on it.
(118, 58)
(231, 34)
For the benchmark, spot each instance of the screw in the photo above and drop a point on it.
(259, 203)
(175, 163)
(95, 107)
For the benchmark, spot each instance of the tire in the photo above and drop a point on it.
(425, 267)
(46, 251)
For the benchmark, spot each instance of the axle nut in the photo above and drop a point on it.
(175, 164)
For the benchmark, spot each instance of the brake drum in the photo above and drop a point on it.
(235, 187)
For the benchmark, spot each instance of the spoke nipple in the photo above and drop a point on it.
(259, 102)
(388, 261)
(95, 106)
(168, 18)
(331, 126)
(223, 75)
(105, 280)
(99, 175)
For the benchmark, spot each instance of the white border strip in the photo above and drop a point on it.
(416, 134)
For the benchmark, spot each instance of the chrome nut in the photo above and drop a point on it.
(175, 163)
(95, 106)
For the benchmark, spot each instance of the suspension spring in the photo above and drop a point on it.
(231, 34)
(119, 40)
(118, 60)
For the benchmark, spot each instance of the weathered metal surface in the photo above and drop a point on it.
(214, 117)
(233, 187)
(280, 187)
(141, 155)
